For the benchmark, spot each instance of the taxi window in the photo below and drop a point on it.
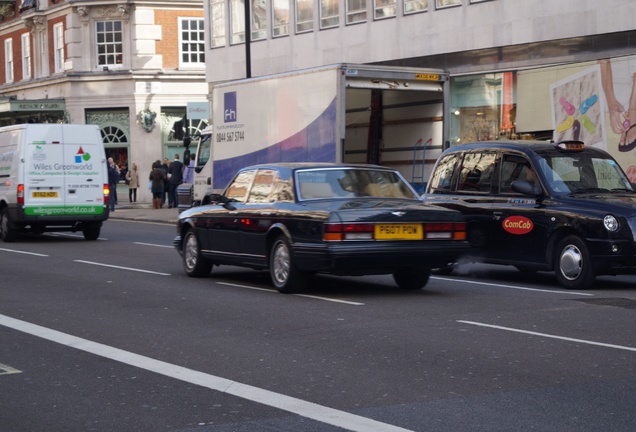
(515, 168)
(263, 186)
(443, 175)
(476, 174)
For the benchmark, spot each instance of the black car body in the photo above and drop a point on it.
(541, 206)
(299, 219)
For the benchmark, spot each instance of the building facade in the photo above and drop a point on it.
(132, 67)
(519, 68)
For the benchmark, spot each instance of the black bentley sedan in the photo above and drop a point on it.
(298, 219)
(540, 206)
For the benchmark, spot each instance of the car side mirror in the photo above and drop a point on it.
(218, 198)
(525, 187)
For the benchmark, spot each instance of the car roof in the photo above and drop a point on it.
(309, 165)
(525, 146)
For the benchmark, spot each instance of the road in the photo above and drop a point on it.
(112, 336)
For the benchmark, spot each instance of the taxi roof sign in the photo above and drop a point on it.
(571, 145)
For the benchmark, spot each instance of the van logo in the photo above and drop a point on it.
(517, 225)
(81, 156)
(229, 107)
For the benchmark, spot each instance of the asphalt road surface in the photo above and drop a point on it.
(113, 336)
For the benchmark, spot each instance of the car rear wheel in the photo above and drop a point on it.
(91, 230)
(412, 278)
(194, 263)
(285, 276)
(7, 234)
(573, 265)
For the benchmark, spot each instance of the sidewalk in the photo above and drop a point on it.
(144, 212)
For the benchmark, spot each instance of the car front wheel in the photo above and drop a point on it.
(573, 265)
(285, 276)
(412, 279)
(194, 263)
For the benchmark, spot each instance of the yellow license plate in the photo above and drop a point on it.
(44, 194)
(427, 77)
(399, 232)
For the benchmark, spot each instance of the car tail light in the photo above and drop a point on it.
(106, 194)
(348, 231)
(20, 194)
(445, 230)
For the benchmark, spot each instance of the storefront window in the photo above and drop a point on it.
(483, 107)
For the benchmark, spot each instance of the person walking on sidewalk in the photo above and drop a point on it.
(132, 178)
(175, 174)
(157, 176)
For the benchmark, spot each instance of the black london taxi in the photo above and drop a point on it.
(541, 206)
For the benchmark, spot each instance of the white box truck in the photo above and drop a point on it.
(338, 113)
(53, 177)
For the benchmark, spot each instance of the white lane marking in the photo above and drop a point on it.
(293, 405)
(297, 295)
(8, 370)
(62, 234)
(23, 252)
(122, 268)
(152, 244)
(513, 287)
(546, 335)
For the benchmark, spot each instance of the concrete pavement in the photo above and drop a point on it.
(144, 212)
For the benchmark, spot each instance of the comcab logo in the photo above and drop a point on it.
(517, 225)
(229, 107)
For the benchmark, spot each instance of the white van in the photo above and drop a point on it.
(53, 177)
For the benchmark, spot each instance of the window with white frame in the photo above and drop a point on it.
(110, 46)
(384, 9)
(237, 21)
(191, 42)
(44, 55)
(447, 3)
(26, 56)
(258, 11)
(304, 16)
(58, 47)
(8, 61)
(280, 17)
(356, 11)
(217, 27)
(414, 6)
(329, 13)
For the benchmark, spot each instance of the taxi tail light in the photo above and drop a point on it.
(445, 230)
(106, 194)
(347, 231)
(20, 194)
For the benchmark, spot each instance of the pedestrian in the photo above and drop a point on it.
(157, 177)
(175, 174)
(166, 183)
(188, 170)
(113, 179)
(132, 178)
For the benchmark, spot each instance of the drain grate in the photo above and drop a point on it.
(615, 302)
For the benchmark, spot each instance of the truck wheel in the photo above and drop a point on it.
(285, 276)
(7, 233)
(573, 265)
(194, 263)
(91, 230)
(412, 278)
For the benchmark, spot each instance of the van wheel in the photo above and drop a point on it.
(285, 276)
(412, 278)
(7, 233)
(91, 231)
(194, 263)
(573, 265)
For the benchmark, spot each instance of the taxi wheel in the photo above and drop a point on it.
(7, 234)
(573, 265)
(286, 278)
(194, 264)
(412, 278)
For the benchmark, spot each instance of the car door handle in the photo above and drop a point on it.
(496, 216)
